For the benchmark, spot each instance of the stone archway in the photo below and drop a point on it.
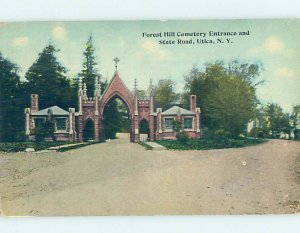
(117, 116)
(117, 89)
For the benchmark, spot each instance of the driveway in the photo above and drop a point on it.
(122, 178)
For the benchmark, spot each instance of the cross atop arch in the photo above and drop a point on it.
(116, 60)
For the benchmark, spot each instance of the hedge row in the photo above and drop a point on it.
(209, 144)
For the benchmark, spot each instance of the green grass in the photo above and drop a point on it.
(209, 144)
(21, 146)
(79, 145)
(146, 146)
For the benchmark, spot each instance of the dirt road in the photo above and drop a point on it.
(122, 178)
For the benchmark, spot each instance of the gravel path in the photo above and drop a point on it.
(122, 178)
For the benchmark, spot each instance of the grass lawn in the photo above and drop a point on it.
(21, 146)
(209, 144)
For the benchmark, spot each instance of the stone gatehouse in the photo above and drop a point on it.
(69, 125)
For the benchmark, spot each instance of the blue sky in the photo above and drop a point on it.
(274, 43)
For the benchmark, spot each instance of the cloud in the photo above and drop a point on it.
(59, 33)
(284, 72)
(153, 48)
(272, 45)
(21, 41)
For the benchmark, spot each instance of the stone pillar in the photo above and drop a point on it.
(159, 124)
(34, 102)
(97, 128)
(151, 118)
(193, 103)
(27, 121)
(198, 122)
(80, 128)
(71, 124)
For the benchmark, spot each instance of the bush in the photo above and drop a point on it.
(21, 146)
(46, 129)
(209, 144)
(182, 137)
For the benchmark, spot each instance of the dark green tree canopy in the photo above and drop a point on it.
(47, 78)
(11, 101)
(89, 72)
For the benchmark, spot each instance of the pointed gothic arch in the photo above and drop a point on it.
(89, 130)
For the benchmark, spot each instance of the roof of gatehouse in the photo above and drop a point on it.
(174, 110)
(55, 110)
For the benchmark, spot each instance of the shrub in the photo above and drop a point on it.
(209, 143)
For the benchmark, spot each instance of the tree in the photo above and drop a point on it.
(231, 106)
(279, 122)
(89, 72)
(47, 77)
(205, 83)
(11, 102)
(112, 120)
(165, 93)
(295, 117)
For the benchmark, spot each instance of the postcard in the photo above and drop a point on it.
(170, 117)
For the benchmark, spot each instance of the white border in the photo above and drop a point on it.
(37, 10)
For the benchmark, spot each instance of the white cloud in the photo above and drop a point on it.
(21, 41)
(152, 47)
(285, 72)
(59, 33)
(273, 44)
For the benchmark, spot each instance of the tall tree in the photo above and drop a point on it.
(89, 72)
(165, 93)
(11, 102)
(205, 83)
(231, 106)
(47, 77)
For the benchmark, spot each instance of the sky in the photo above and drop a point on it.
(273, 43)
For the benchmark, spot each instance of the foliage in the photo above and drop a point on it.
(209, 144)
(44, 130)
(231, 106)
(21, 146)
(295, 118)
(12, 102)
(279, 121)
(47, 78)
(112, 120)
(144, 127)
(227, 90)
(148, 147)
(181, 135)
(76, 146)
(165, 94)
(89, 72)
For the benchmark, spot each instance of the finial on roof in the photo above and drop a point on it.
(97, 87)
(116, 60)
(79, 85)
(135, 84)
(84, 91)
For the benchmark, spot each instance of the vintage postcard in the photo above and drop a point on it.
(185, 117)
